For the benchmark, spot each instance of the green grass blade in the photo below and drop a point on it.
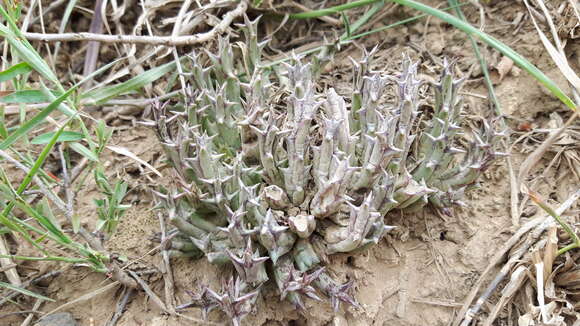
(346, 24)
(37, 164)
(25, 182)
(355, 26)
(25, 97)
(64, 22)
(28, 54)
(493, 42)
(47, 258)
(24, 291)
(332, 10)
(482, 61)
(101, 95)
(364, 18)
(64, 136)
(62, 107)
(42, 115)
(395, 24)
(54, 231)
(37, 119)
(535, 197)
(17, 69)
(81, 149)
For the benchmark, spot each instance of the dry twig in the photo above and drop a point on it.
(149, 292)
(33, 312)
(11, 272)
(166, 269)
(151, 40)
(121, 305)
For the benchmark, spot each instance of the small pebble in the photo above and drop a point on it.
(58, 319)
(339, 321)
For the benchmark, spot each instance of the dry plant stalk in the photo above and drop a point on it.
(174, 40)
(274, 184)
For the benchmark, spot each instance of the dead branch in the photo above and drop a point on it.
(121, 306)
(139, 39)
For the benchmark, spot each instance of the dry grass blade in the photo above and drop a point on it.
(63, 23)
(175, 33)
(539, 152)
(124, 151)
(536, 226)
(93, 47)
(517, 279)
(11, 272)
(559, 58)
(514, 193)
(86, 297)
(53, 6)
(34, 311)
(166, 270)
(550, 252)
(539, 267)
(7, 267)
(556, 52)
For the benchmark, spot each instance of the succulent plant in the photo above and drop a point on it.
(273, 176)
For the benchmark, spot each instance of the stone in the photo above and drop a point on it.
(58, 319)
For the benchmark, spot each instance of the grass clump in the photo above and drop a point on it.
(39, 207)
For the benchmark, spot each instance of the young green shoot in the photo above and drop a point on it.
(548, 209)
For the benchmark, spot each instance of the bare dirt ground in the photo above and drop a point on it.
(422, 272)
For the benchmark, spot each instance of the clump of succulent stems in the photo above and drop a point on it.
(273, 176)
